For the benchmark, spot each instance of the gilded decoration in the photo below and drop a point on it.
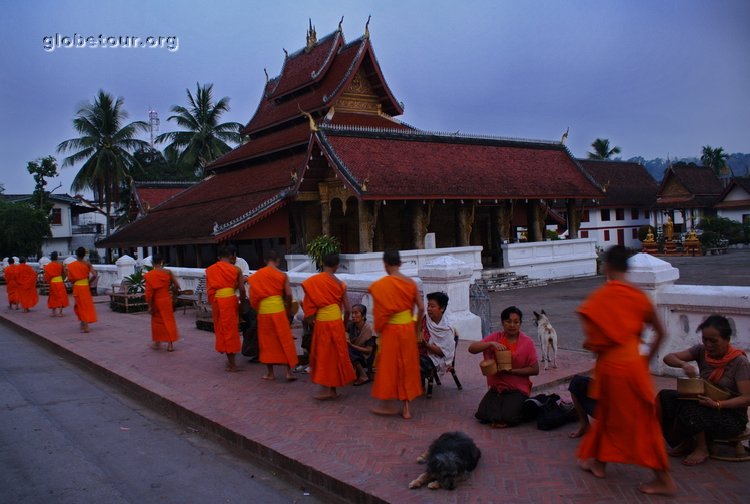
(332, 190)
(359, 97)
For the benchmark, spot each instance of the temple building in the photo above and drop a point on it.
(327, 154)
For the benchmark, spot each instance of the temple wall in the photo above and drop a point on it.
(551, 260)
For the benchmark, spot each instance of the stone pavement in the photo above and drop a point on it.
(338, 445)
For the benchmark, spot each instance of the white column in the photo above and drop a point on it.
(125, 267)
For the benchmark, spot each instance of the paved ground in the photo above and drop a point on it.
(339, 445)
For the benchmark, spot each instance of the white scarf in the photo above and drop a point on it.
(441, 334)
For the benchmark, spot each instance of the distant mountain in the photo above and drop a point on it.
(738, 162)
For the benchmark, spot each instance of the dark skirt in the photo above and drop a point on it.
(682, 419)
(501, 407)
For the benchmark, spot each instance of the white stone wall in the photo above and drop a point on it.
(551, 260)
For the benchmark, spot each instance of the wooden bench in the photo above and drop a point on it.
(740, 453)
(130, 301)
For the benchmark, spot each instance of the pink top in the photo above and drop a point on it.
(523, 354)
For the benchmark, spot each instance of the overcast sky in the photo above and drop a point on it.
(655, 77)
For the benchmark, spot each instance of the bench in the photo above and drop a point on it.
(129, 301)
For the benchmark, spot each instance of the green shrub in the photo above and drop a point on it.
(322, 246)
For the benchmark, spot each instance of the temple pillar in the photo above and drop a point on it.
(419, 223)
(325, 210)
(533, 233)
(465, 217)
(573, 218)
(366, 225)
(198, 258)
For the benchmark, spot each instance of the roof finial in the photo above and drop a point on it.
(367, 27)
(266, 72)
(286, 53)
(341, 29)
(565, 136)
(313, 126)
(312, 37)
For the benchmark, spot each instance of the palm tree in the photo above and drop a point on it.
(602, 150)
(105, 147)
(716, 159)
(203, 138)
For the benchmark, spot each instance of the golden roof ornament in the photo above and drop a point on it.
(313, 126)
(312, 37)
(565, 136)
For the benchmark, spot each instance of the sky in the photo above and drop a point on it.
(657, 78)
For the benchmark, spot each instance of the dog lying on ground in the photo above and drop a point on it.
(547, 339)
(450, 459)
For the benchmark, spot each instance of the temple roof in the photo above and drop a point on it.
(625, 183)
(409, 164)
(736, 194)
(150, 194)
(688, 186)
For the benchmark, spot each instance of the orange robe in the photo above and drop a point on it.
(26, 279)
(159, 298)
(397, 360)
(224, 307)
(626, 429)
(274, 333)
(329, 354)
(78, 273)
(10, 282)
(53, 275)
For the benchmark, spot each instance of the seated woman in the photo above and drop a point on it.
(501, 405)
(438, 343)
(361, 341)
(687, 424)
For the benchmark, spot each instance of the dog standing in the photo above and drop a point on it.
(547, 339)
(450, 459)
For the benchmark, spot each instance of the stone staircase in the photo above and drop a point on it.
(494, 280)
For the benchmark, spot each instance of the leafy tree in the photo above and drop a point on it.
(24, 228)
(105, 147)
(720, 228)
(155, 166)
(203, 138)
(716, 159)
(42, 169)
(602, 149)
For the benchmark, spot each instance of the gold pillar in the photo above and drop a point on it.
(325, 209)
(574, 218)
(465, 215)
(505, 220)
(419, 223)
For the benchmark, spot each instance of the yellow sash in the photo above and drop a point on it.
(85, 281)
(329, 313)
(57, 279)
(224, 293)
(401, 318)
(271, 304)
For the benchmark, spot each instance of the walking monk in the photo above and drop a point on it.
(81, 273)
(160, 284)
(397, 362)
(58, 296)
(222, 280)
(325, 295)
(271, 297)
(26, 291)
(10, 282)
(627, 429)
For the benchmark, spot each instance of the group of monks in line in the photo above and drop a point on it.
(396, 298)
(21, 283)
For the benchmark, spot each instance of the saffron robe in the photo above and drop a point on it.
(84, 303)
(10, 282)
(329, 354)
(159, 299)
(224, 309)
(58, 296)
(274, 332)
(627, 429)
(397, 360)
(26, 279)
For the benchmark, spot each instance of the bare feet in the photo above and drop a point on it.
(662, 484)
(579, 432)
(405, 411)
(326, 396)
(681, 449)
(156, 345)
(290, 377)
(696, 457)
(593, 466)
(232, 369)
(498, 425)
(268, 377)
(170, 348)
(385, 411)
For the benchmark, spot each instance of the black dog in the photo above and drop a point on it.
(449, 460)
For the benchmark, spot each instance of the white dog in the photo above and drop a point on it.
(547, 339)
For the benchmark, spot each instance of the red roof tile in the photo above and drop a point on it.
(304, 68)
(626, 183)
(412, 165)
(151, 195)
(296, 135)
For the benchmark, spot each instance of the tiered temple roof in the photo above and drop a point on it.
(688, 186)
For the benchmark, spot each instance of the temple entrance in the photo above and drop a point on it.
(345, 224)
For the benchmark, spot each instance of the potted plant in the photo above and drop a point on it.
(320, 246)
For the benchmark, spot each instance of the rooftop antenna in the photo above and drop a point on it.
(153, 124)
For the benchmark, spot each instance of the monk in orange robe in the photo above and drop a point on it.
(26, 279)
(222, 280)
(58, 296)
(80, 272)
(160, 283)
(271, 297)
(10, 283)
(325, 295)
(397, 361)
(627, 428)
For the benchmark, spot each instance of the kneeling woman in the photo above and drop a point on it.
(501, 405)
(687, 424)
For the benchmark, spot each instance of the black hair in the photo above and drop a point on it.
(81, 252)
(391, 257)
(441, 298)
(616, 257)
(22, 260)
(719, 323)
(53, 256)
(228, 251)
(271, 255)
(505, 315)
(362, 308)
(11, 260)
(331, 260)
(157, 259)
